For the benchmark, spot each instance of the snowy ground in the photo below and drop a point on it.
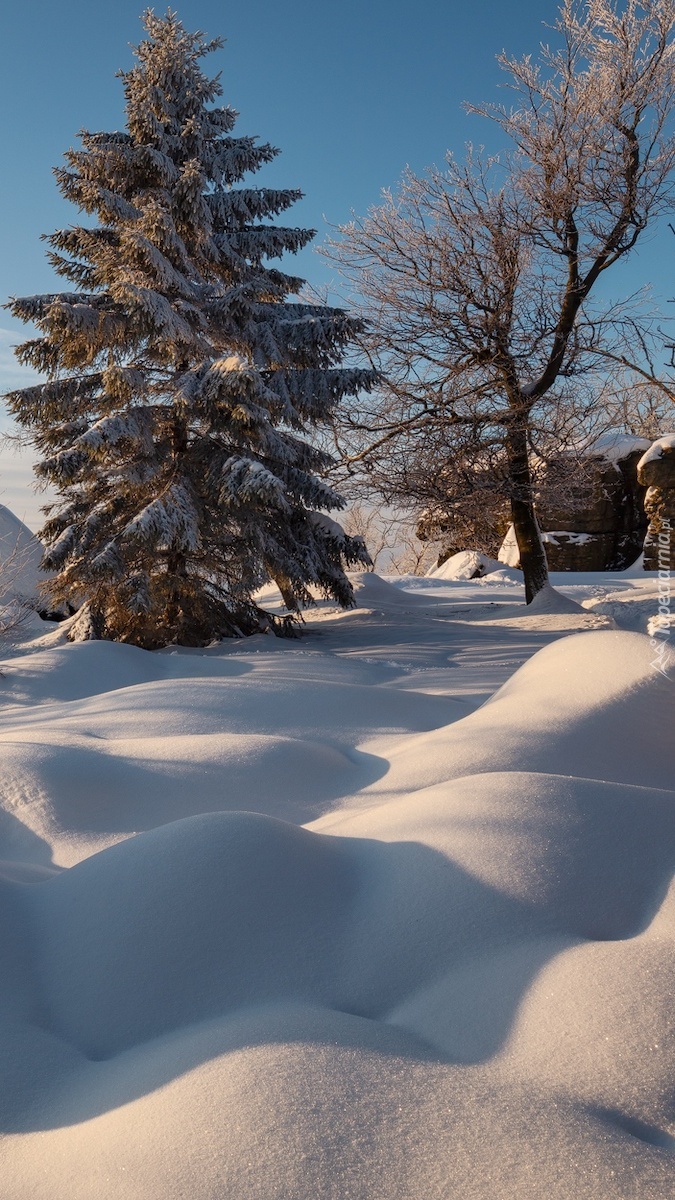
(455, 980)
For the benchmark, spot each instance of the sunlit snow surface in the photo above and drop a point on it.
(383, 912)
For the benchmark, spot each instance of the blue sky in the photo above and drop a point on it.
(350, 92)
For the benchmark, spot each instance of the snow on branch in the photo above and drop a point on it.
(244, 480)
(171, 521)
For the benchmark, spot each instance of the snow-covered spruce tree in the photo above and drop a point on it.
(183, 385)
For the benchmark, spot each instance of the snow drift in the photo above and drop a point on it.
(476, 939)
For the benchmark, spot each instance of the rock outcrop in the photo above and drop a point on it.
(596, 520)
(656, 472)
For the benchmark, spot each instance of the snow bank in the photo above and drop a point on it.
(592, 704)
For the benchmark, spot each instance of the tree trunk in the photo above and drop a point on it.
(176, 566)
(525, 524)
(287, 591)
(174, 616)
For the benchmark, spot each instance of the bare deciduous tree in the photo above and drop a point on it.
(391, 538)
(478, 279)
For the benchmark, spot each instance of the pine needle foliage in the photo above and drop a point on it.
(185, 380)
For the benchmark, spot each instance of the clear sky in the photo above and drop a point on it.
(350, 92)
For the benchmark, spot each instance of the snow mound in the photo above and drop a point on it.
(591, 704)
(371, 591)
(503, 574)
(457, 981)
(168, 736)
(467, 564)
(20, 558)
(552, 602)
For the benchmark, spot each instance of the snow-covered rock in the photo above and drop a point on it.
(656, 469)
(615, 446)
(467, 564)
(658, 462)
